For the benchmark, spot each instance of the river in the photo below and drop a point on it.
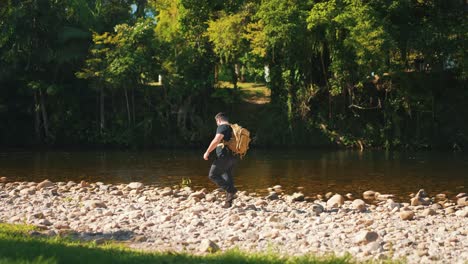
(317, 171)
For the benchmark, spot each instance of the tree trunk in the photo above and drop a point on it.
(103, 121)
(328, 85)
(128, 107)
(44, 114)
(37, 118)
(216, 69)
(234, 75)
(140, 5)
(133, 105)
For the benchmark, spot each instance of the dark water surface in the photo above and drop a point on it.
(318, 171)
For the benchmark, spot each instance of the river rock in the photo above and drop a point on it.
(199, 195)
(272, 196)
(350, 196)
(84, 184)
(463, 201)
(462, 213)
(365, 237)
(328, 195)
(317, 209)
(135, 185)
(407, 215)
(95, 204)
(421, 194)
(383, 197)
(45, 184)
(428, 211)
(460, 195)
(27, 192)
(208, 246)
(166, 192)
(3, 179)
(116, 192)
(368, 195)
(210, 197)
(359, 205)
(335, 201)
(278, 188)
(296, 197)
(450, 210)
(416, 201)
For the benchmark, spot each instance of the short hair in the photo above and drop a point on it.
(222, 116)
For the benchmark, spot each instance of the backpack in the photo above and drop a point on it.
(239, 142)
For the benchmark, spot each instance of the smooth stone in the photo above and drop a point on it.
(297, 197)
(45, 184)
(94, 204)
(335, 201)
(135, 185)
(368, 195)
(317, 209)
(84, 184)
(277, 187)
(463, 201)
(359, 205)
(407, 215)
(428, 212)
(208, 246)
(365, 237)
(462, 213)
(272, 196)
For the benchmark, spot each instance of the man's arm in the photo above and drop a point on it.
(216, 140)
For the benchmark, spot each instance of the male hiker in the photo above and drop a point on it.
(222, 167)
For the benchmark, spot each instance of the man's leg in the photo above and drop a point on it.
(229, 177)
(218, 168)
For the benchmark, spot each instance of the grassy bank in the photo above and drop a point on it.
(17, 245)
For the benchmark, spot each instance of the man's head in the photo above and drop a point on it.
(221, 118)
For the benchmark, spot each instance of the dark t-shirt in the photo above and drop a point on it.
(226, 130)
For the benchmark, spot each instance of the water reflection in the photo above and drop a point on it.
(316, 170)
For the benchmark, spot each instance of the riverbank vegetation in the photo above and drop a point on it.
(24, 244)
(149, 73)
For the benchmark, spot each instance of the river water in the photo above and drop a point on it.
(317, 171)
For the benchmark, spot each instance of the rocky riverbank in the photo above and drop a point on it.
(423, 230)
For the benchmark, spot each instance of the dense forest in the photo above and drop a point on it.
(148, 73)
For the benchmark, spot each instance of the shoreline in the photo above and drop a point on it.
(192, 221)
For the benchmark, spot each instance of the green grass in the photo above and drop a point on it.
(17, 246)
(255, 93)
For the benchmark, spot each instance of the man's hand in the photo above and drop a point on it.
(206, 156)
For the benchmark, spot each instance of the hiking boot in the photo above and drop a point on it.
(230, 197)
(227, 204)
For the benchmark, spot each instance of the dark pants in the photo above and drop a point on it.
(221, 172)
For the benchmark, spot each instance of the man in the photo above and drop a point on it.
(222, 167)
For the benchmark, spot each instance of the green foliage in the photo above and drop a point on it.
(383, 73)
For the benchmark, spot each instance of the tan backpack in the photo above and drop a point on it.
(239, 142)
